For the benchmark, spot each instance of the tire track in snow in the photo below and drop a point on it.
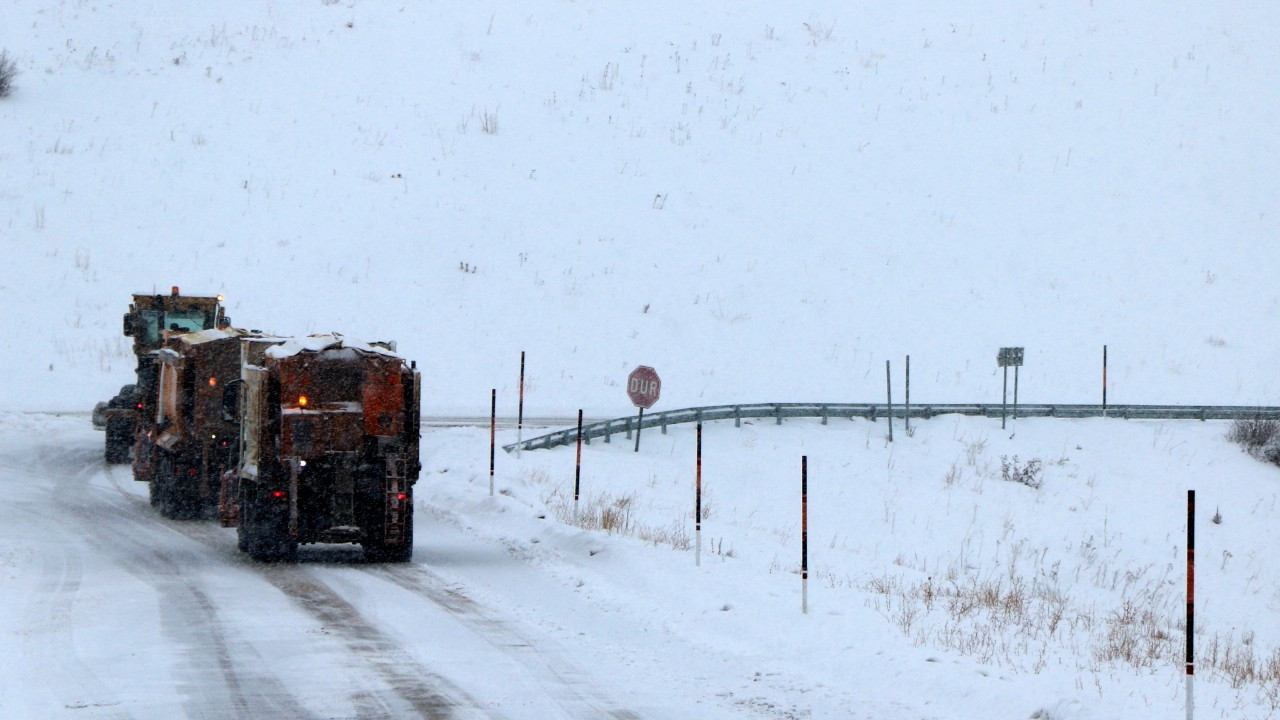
(188, 617)
(543, 657)
(421, 691)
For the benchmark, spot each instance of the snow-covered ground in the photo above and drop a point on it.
(765, 204)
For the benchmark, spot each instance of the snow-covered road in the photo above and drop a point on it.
(122, 613)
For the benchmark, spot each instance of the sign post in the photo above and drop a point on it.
(643, 387)
(1009, 356)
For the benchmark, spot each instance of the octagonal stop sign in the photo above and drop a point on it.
(643, 387)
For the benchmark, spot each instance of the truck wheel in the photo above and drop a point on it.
(267, 529)
(162, 485)
(119, 440)
(184, 497)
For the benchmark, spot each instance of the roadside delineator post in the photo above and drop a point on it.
(697, 506)
(493, 433)
(804, 534)
(520, 410)
(577, 472)
(1191, 595)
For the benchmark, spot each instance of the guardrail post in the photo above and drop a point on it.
(824, 414)
(777, 410)
(664, 423)
(737, 416)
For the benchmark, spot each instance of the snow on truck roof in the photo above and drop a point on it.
(203, 336)
(316, 343)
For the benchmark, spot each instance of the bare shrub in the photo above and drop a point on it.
(973, 450)
(1253, 434)
(1260, 438)
(1028, 473)
(8, 71)
(489, 122)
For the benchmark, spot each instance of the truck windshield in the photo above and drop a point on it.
(185, 321)
(153, 321)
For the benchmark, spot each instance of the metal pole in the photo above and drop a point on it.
(520, 411)
(493, 433)
(907, 414)
(638, 421)
(697, 506)
(1015, 391)
(888, 389)
(1004, 397)
(1191, 584)
(804, 534)
(1104, 381)
(577, 472)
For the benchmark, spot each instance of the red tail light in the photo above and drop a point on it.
(139, 406)
(191, 472)
(279, 494)
(402, 496)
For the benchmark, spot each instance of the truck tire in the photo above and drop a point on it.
(119, 440)
(162, 485)
(176, 495)
(264, 527)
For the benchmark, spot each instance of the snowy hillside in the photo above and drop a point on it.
(764, 204)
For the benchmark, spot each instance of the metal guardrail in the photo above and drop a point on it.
(826, 411)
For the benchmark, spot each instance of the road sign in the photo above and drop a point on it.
(643, 387)
(1009, 357)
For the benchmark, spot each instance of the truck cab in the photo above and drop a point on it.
(150, 320)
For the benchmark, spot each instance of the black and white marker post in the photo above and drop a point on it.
(577, 471)
(493, 433)
(697, 506)
(520, 408)
(804, 534)
(1191, 596)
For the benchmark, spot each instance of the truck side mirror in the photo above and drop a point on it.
(231, 401)
(128, 324)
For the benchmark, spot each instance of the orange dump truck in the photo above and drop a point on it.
(328, 448)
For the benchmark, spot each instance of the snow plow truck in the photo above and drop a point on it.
(190, 437)
(149, 320)
(328, 448)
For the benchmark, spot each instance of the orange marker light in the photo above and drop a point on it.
(213, 382)
(302, 401)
